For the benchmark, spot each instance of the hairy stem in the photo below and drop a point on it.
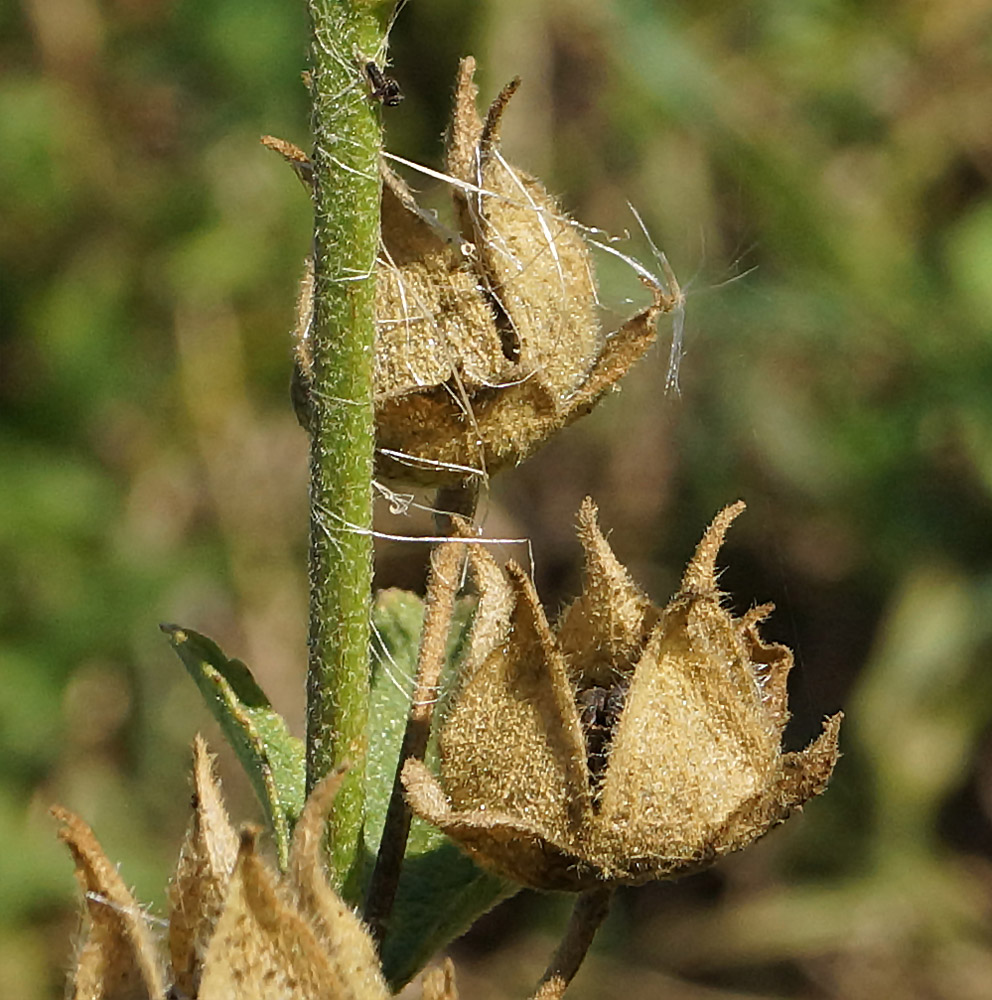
(347, 140)
(446, 562)
(588, 914)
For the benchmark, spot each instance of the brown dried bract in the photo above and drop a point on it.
(439, 982)
(117, 958)
(693, 767)
(237, 930)
(198, 889)
(293, 155)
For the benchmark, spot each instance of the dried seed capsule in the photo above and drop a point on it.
(487, 339)
(673, 763)
(236, 927)
(489, 344)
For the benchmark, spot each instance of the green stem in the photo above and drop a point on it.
(347, 140)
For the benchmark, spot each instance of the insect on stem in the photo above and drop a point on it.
(384, 88)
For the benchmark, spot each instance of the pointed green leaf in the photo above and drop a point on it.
(441, 891)
(272, 758)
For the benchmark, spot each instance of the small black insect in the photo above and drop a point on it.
(384, 88)
(599, 712)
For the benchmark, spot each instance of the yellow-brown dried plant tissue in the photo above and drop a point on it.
(237, 930)
(629, 743)
(487, 339)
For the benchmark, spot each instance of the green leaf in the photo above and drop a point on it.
(441, 891)
(272, 758)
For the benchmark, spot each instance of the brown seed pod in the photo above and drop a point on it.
(488, 343)
(487, 339)
(691, 767)
(236, 927)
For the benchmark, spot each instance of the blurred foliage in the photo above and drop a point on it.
(819, 175)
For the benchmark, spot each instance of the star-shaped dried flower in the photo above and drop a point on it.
(630, 743)
(237, 930)
(488, 342)
(487, 338)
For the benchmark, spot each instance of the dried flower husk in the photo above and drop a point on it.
(198, 890)
(487, 339)
(237, 930)
(690, 767)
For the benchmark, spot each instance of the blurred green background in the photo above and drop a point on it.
(819, 175)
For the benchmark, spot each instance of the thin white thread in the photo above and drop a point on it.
(402, 681)
(417, 462)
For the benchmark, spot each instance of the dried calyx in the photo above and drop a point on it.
(488, 339)
(236, 928)
(629, 743)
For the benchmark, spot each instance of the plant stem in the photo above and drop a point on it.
(588, 914)
(446, 563)
(347, 141)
